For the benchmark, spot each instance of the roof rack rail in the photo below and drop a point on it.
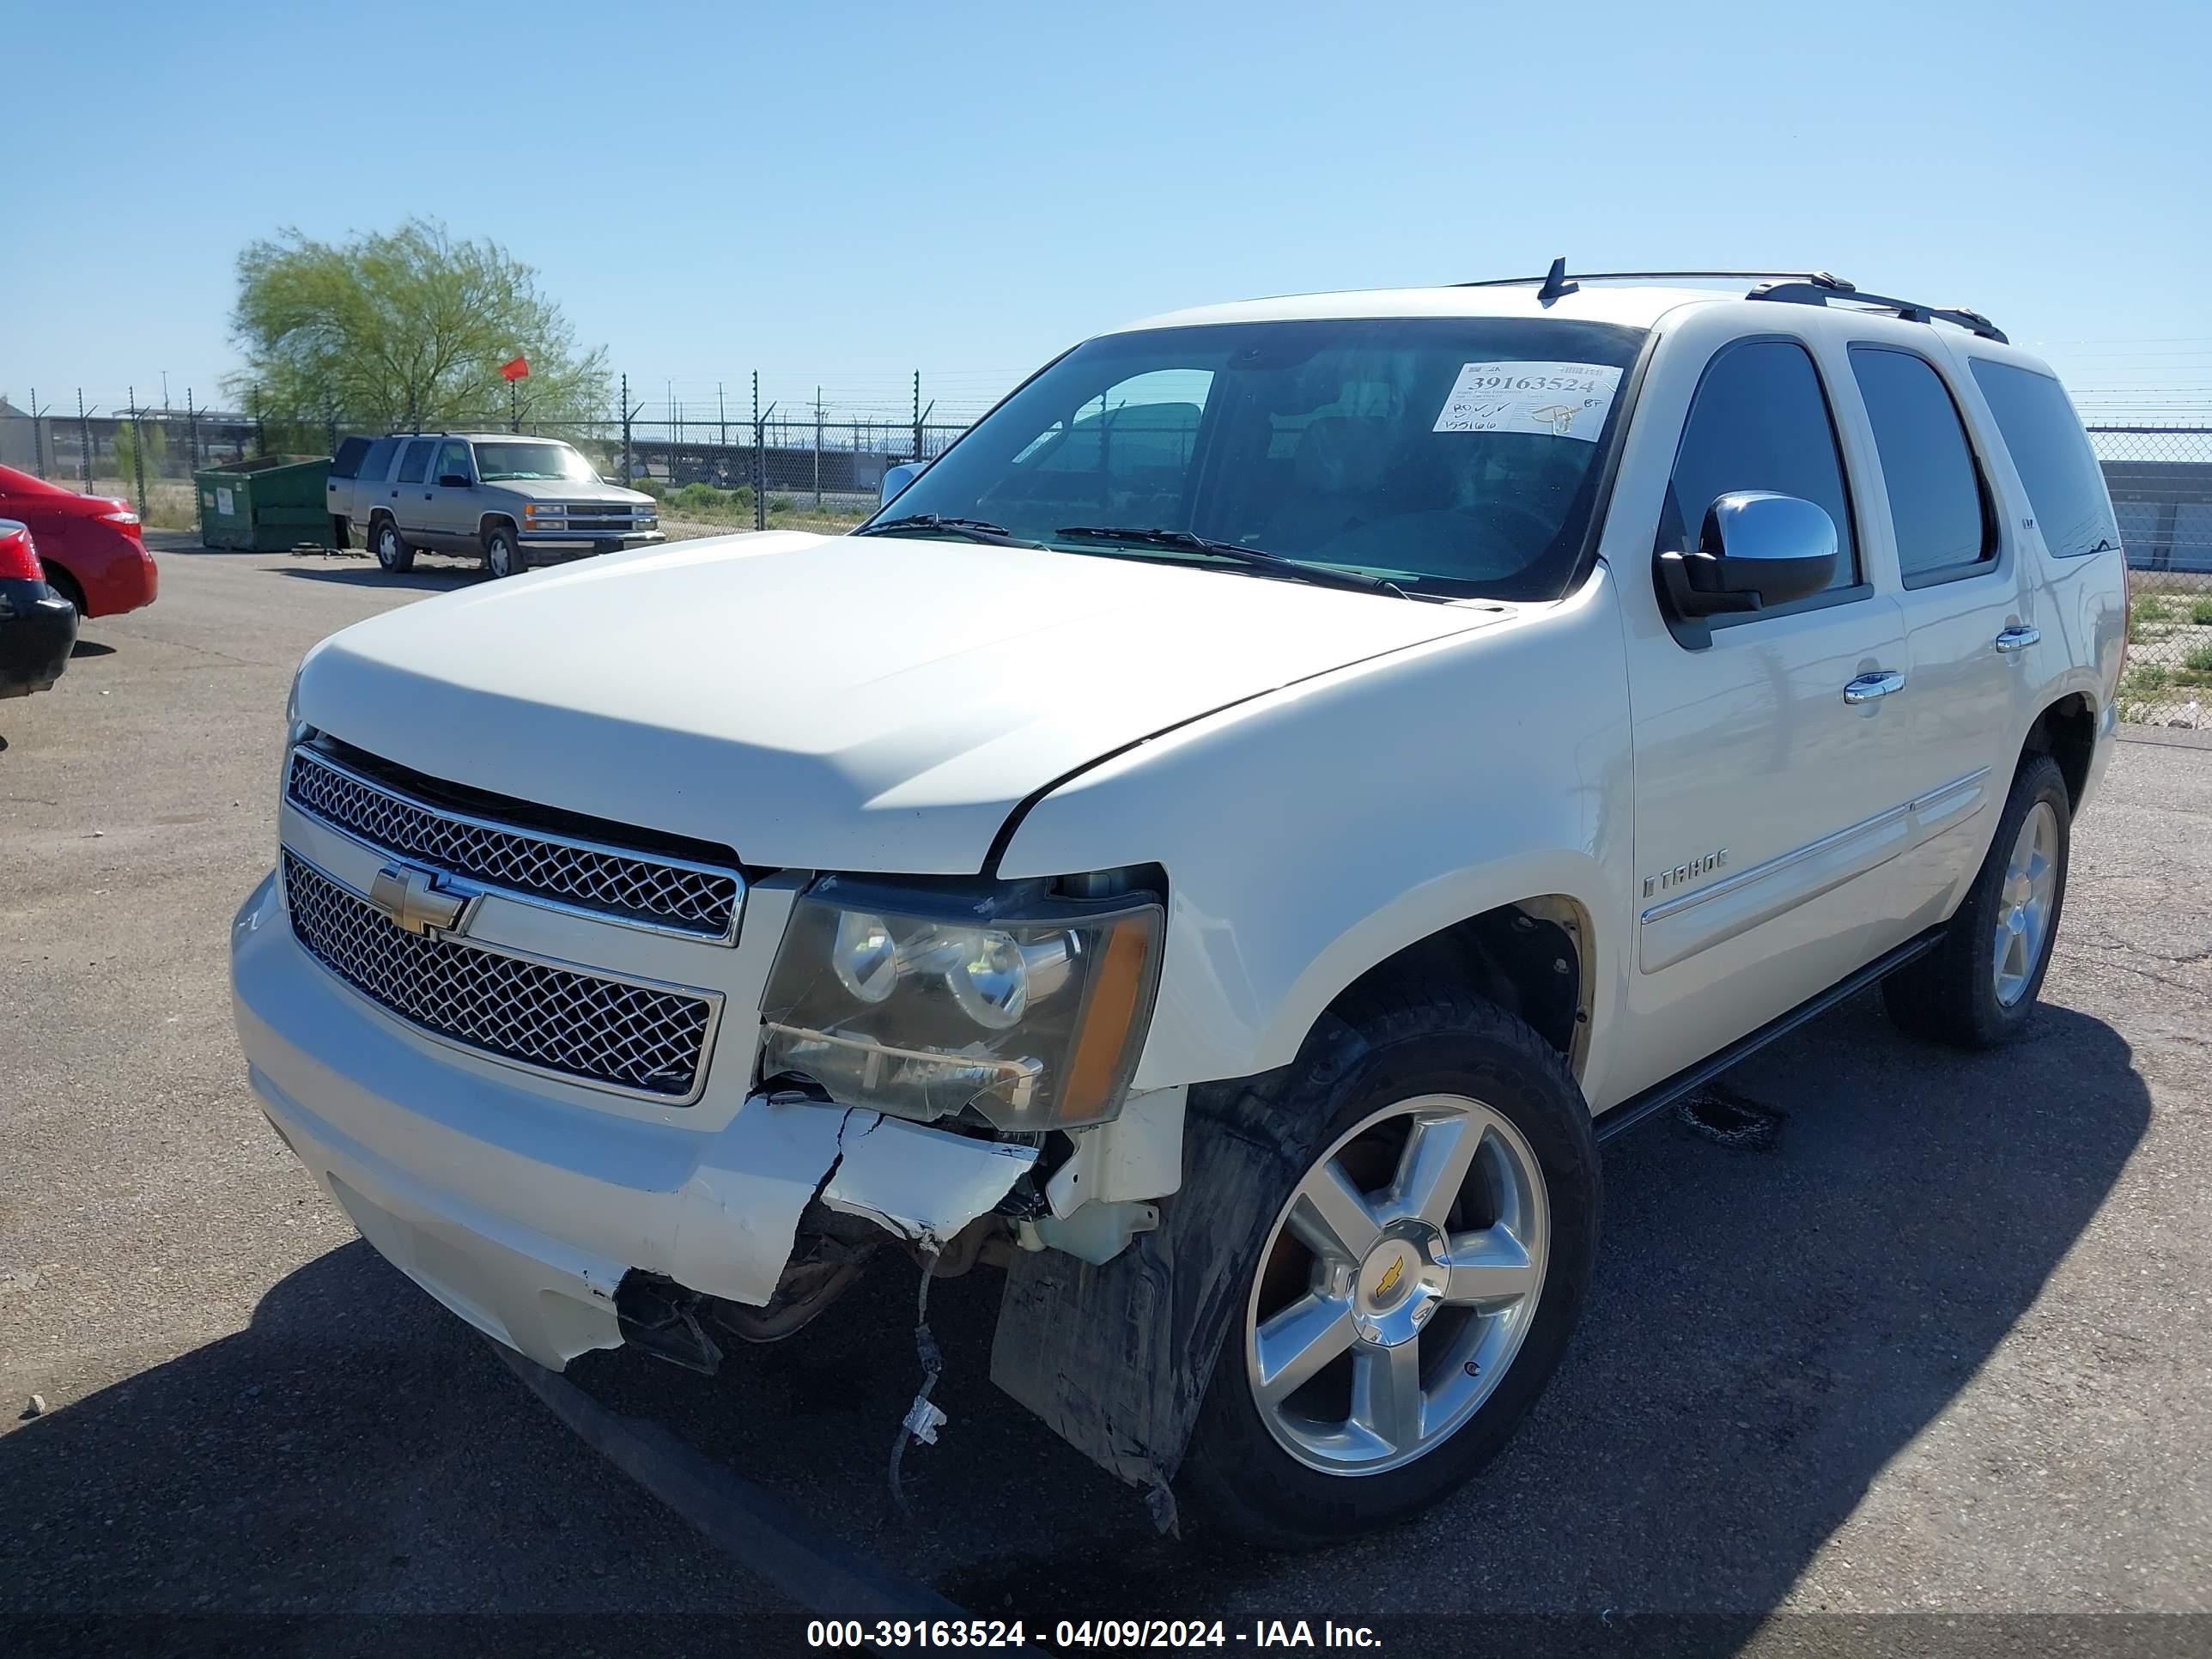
(1806, 288)
(1559, 275)
(1816, 294)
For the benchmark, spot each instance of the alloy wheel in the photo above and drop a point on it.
(1397, 1284)
(2024, 903)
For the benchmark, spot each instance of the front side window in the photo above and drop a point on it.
(2052, 455)
(1451, 456)
(531, 459)
(453, 461)
(1759, 421)
(416, 462)
(1927, 471)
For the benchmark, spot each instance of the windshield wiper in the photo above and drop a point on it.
(1321, 576)
(974, 530)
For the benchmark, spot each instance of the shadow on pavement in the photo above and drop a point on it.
(1766, 1330)
(432, 580)
(85, 648)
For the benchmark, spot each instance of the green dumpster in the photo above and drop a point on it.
(264, 505)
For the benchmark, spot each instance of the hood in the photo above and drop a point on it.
(861, 704)
(568, 489)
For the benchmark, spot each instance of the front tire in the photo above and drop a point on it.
(1417, 1286)
(1978, 987)
(503, 554)
(392, 551)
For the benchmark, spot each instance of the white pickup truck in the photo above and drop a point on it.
(1218, 849)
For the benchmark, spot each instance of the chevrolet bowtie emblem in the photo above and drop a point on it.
(409, 895)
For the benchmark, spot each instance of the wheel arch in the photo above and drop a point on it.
(1499, 931)
(493, 520)
(65, 582)
(1530, 956)
(2066, 730)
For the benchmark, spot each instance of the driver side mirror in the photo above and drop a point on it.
(455, 481)
(897, 478)
(1757, 550)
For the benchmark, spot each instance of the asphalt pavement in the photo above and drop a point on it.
(1944, 1347)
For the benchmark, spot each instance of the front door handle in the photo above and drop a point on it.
(2018, 637)
(1868, 687)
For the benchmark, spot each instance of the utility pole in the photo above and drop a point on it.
(721, 415)
(818, 449)
(164, 391)
(37, 436)
(192, 429)
(84, 441)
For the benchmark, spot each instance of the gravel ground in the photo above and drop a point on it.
(1946, 1347)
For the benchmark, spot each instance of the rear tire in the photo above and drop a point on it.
(392, 551)
(504, 555)
(65, 585)
(1978, 987)
(1430, 1372)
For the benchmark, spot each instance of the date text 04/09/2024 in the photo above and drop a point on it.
(1084, 1633)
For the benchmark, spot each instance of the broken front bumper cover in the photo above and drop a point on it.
(521, 1208)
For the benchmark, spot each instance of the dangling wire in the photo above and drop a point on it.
(922, 1419)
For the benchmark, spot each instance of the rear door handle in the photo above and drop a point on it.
(1868, 687)
(2018, 638)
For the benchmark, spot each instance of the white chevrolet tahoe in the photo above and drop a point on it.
(1219, 849)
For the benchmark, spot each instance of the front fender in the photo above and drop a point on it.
(1312, 833)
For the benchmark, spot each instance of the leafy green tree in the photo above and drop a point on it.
(403, 328)
(128, 436)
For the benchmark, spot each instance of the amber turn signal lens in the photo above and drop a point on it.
(1108, 1022)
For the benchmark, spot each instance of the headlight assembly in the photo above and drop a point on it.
(1028, 1005)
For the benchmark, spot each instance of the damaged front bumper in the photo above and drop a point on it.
(523, 1210)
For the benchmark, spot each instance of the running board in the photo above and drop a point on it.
(1660, 1095)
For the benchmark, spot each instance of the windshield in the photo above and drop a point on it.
(1450, 456)
(497, 463)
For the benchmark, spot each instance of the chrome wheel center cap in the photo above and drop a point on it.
(1399, 1285)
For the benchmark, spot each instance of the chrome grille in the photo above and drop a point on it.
(636, 1037)
(645, 889)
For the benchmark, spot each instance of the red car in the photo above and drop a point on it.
(91, 545)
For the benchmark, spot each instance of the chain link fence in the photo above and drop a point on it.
(2160, 479)
(718, 463)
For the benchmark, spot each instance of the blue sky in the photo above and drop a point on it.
(840, 193)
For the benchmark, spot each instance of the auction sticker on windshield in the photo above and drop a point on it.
(1559, 400)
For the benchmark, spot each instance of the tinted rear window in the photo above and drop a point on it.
(346, 464)
(376, 465)
(2052, 456)
(1935, 492)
